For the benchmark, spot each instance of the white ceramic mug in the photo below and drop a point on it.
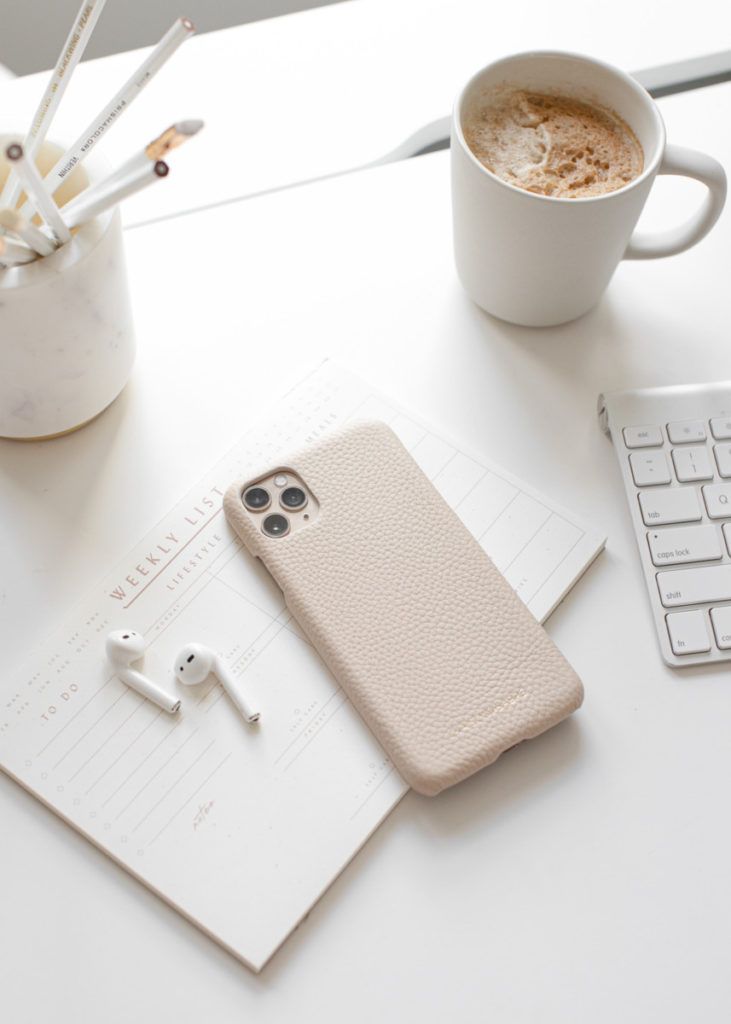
(66, 335)
(538, 260)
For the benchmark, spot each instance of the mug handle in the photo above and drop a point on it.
(688, 163)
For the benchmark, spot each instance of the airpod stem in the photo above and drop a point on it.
(227, 681)
(125, 646)
(146, 688)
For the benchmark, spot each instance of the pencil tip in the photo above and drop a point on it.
(189, 127)
(161, 168)
(14, 151)
(187, 23)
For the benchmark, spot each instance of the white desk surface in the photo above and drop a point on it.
(313, 93)
(585, 876)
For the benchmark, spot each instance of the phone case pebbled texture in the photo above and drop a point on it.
(435, 650)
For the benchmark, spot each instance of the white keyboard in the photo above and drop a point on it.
(674, 451)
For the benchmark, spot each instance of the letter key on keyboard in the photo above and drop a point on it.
(718, 500)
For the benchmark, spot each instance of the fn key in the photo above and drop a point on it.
(688, 632)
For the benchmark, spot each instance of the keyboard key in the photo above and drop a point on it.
(649, 468)
(721, 428)
(722, 452)
(686, 430)
(692, 464)
(695, 586)
(688, 632)
(718, 500)
(670, 505)
(721, 619)
(643, 437)
(685, 544)
(727, 535)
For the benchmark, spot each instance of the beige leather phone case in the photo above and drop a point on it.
(433, 647)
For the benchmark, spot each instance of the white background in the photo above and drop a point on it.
(584, 877)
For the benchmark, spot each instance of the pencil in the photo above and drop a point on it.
(158, 149)
(71, 53)
(14, 222)
(107, 117)
(12, 253)
(32, 182)
(84, 207)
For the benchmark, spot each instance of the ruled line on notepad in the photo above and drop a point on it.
(129, 746)
(106, 739)
(375, 789)
(273, 622)
(499, 516)
(75, 715)
(92, 726)
(483, 474)
(170, 788)
(186, 802)
(530, 540)
(556, 567)
(316, 733)
(173, 726)
(244, 597)
(152, 778)
(298, 737)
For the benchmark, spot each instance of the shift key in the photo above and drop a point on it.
(695, 586)
(669, 505)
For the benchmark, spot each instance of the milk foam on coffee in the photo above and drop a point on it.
(553, 145)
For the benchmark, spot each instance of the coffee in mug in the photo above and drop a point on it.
(553, 158)
(553, 145)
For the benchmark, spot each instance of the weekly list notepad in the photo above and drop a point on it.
(242, 829)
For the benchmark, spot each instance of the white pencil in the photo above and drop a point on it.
(84, 207)
(14, 222)
(181, 30)
(71, 54)
(158, 149)
(32, 182)
(13, 253)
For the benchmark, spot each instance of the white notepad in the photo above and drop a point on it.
(242, 829)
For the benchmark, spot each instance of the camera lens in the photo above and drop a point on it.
(275, 525)
(293, 497)
(256, 498)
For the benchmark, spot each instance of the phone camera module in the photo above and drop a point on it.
(257, 499)
(275, 525)
(293, 497)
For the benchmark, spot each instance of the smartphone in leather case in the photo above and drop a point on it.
(435, 650)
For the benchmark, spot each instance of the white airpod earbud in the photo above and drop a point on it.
(195, 662)
(125, 646)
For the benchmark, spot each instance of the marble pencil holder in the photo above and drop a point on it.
(66, 335)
